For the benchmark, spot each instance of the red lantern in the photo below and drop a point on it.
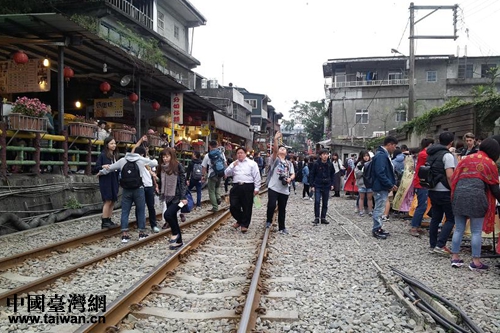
(20, 58)
(68, 73)
(105, 87)
(156, 106)
(133, 97)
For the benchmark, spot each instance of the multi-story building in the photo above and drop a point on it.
(232, 118)
(369, 96)
(136, 46)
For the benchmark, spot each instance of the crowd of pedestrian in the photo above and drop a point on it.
(454, 187)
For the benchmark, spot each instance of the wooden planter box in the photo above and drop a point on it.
(19, 122)
(199, 148)
(82, 130)
(123, 135)
(154, 140)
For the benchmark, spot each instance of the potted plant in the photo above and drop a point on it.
(28, 114)
(124, 134)
(82, 127)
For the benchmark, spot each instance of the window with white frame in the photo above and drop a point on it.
(161, 22)
(362, 116)
(176, 32)
(431, 76)
(252, 102)
(401, 115)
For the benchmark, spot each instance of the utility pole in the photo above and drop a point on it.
(411, 87)
(412, 37)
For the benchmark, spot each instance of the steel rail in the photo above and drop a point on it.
(120, 307)
(18, 258)
(248, 317)
(44, 281)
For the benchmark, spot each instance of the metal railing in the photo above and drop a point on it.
(365, 83)
(127, 8)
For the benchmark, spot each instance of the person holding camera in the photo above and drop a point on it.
(281, 174)
(322, 181)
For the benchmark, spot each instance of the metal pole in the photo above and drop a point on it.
(60, 88)
(139, 107)
(411, 87)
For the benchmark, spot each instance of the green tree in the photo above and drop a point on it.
(312, 116)
(489, 90)
(288, 125)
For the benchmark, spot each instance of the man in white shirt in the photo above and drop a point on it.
(246, 184)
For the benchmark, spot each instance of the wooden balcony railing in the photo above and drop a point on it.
(127, 8)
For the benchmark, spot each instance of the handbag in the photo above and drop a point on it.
(189, 207)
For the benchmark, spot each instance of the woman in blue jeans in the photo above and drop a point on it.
(474, 189)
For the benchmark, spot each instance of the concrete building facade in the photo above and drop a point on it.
(369, 96)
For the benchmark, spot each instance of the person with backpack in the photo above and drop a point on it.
(108, 184)
(474, 192)
(322, 178)
(246, 184)
(214, 163)
(442, 163)
(133, 172)
(364, 190)
(421, 192)
(299, 172)
(194, 174)
(383, 181)
(339, 172)
(279, 178)
(149, 185)
(172, 193)
(260, 163)
(305, 180)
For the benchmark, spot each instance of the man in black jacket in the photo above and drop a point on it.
(322, 176)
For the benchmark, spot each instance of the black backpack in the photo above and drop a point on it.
(130, 176)
(429, 176)
(197, 171)
(368, 174)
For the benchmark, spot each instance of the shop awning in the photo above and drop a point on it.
(40, 35)
(232, 126)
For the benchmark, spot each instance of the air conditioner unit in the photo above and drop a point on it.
(255, 128)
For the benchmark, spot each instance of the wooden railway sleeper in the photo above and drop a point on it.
(170, 274)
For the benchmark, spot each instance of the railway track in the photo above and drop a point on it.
(215, 280)
(89, 245)
(64, 245)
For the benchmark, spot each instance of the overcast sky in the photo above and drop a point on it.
(278, 47)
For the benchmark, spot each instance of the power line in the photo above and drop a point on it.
(478, 10)
(401, 39)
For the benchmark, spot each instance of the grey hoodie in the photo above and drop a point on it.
(132, 157)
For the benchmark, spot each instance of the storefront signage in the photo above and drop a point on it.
(177, 107)
(22, 78)
(108, 107)
(205, 130)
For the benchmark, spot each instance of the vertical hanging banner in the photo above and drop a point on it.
(177, 108)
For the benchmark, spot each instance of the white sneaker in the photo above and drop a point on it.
(156, 230)
(310, 199)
